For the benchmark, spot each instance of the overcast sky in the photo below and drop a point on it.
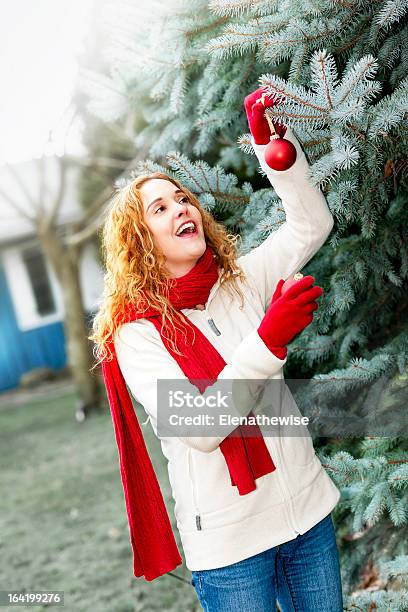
(39, 43)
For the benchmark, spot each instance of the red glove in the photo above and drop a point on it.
(257, 122)
(289, 314)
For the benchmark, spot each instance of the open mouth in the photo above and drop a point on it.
(188, 230)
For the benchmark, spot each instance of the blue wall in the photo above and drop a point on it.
(23, 351)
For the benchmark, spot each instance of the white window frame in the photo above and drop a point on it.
(21, 291)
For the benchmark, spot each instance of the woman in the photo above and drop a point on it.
(252, 510)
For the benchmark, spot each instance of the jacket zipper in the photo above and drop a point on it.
(191, 475)
(286, 492)
(197, 516)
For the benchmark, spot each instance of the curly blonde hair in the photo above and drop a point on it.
(135, 267)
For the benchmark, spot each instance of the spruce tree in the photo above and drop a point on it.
(340, 70)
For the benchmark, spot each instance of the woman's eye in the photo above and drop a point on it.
(185, 199)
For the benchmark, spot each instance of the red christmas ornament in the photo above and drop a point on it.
(280, 153)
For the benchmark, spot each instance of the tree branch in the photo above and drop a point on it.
(53, 212)
(17, 207)
(94, 217)
(106, 162)
(20, 183)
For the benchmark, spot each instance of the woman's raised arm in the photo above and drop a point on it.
(307, 226)
(308, 218)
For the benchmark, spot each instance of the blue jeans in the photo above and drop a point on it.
(302, 575)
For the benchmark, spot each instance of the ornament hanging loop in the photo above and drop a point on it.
(272, 129)
(274, 133)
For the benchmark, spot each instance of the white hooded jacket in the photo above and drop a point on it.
(217, 526)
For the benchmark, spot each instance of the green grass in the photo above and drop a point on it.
(63, 522)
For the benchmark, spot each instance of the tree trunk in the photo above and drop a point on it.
(65, 262)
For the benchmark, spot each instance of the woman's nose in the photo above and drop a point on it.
(180, 209)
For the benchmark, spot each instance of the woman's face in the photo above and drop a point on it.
(166, 209)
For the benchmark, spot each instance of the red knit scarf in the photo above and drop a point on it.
(247, 458)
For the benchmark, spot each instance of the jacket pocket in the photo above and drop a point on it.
(216, 501)
(298, 450)
(211, 487)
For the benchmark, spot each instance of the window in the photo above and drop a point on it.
(39, 279)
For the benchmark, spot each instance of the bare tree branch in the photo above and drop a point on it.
(53, 212)
(17, 207)
(74, 114)
(87, 233)
(41, 187)
(106, 162)
(93, 221)
(94, 217)
(22, 186)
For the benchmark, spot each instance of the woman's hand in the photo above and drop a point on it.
(257, 122)
(290, 313)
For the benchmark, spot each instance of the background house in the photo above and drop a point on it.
(31, 308)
